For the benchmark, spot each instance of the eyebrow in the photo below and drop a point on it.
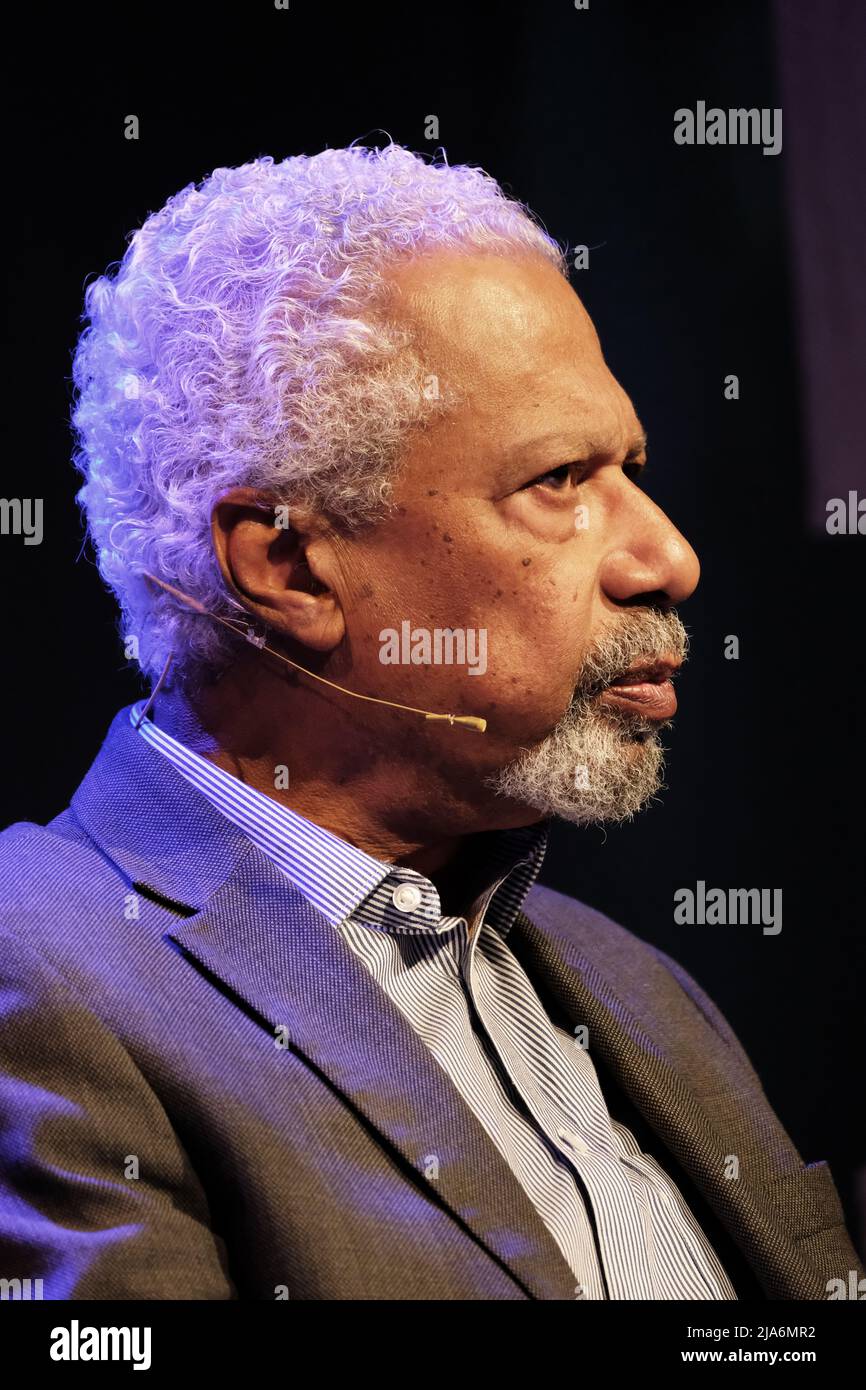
(636, 448)
(569, 449)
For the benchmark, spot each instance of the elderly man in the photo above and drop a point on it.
(288, 1013)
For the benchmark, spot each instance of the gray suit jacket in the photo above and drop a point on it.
(156, 1141)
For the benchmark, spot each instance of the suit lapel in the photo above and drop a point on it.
(627, 1041)
(278, 953)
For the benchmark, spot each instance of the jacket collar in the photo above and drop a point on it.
(160, 831)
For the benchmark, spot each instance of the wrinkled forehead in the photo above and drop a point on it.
(512, 337)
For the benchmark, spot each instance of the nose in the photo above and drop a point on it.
(649, 556)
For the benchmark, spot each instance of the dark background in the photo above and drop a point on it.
(696, 271)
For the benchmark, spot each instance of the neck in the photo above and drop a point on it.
(303, 750)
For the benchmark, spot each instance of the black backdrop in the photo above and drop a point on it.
(690, 279)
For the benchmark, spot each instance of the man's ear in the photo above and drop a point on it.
(265, 567)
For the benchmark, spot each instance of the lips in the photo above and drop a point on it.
(646, 688)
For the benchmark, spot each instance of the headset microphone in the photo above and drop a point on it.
(469, 721)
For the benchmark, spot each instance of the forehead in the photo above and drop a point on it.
(510, 334)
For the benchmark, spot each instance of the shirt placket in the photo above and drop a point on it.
(591, 1286)
(621, 1214)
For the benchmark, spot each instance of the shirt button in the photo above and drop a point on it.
(579, 1291)
(407, 897)
(573, 1140)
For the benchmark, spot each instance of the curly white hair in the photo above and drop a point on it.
(243, 342)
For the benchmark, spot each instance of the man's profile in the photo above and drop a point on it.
(289, 1013)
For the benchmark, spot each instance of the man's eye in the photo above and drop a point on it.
(560, 474)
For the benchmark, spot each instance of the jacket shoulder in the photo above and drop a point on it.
(45, 867)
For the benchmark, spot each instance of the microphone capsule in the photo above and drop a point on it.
(469, 721)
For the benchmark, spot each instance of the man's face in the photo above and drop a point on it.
(493, 530)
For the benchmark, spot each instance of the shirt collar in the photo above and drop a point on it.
(341, 880)
(406, 902)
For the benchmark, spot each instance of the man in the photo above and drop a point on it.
(287, 1012)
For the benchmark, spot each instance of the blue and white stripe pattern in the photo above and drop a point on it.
(620, 1221)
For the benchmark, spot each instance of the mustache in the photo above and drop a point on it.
(643, 637)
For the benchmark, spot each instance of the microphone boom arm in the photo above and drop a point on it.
(468, 721)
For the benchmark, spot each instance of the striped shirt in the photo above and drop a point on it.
(621, 1223)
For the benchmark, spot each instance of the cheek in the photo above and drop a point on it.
(534, 601)
(551, 599)
(537, 632)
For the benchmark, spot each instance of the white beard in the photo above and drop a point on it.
(599, 763)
